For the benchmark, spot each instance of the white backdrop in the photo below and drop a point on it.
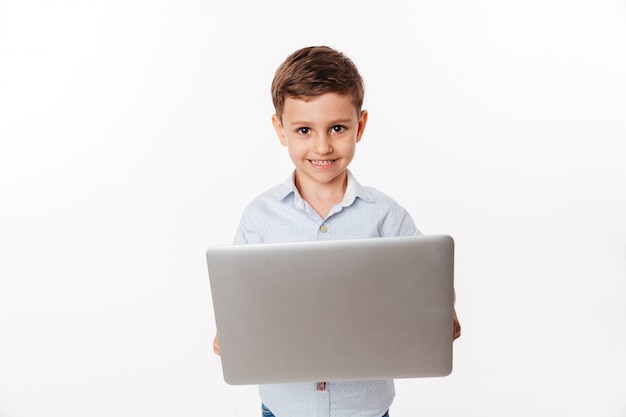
(133, 133)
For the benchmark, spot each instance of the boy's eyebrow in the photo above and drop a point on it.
(334, 122)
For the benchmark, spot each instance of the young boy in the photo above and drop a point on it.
(318, 94)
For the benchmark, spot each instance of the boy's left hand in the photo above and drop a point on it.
(457, 326)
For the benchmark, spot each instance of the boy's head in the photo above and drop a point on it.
(318, 94)
(313, 71)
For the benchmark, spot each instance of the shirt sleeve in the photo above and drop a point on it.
(246, 233)
(399, 223)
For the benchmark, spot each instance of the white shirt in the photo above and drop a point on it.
(281, 215)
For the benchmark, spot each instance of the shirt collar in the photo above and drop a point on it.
(353, 190)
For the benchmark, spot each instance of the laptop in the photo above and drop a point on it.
(355, 309)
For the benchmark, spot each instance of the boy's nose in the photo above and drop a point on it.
(322, 145)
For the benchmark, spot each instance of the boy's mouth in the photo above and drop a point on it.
(322, 162)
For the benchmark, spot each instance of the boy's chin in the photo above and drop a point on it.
(324, 178)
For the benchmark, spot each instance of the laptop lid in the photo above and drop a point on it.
(334, 310)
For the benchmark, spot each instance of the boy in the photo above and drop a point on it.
(318, 94)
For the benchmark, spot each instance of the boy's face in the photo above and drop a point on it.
(320, 134)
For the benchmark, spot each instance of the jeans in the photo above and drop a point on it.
(267, 413)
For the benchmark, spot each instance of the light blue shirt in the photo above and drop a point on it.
(281, 215)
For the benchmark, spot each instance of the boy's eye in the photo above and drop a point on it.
(304, 130)
(338, 128)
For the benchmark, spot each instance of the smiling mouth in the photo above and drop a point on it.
(323, 162)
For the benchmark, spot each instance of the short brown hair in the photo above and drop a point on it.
(313, 71)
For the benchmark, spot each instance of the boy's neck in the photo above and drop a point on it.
(322, 197)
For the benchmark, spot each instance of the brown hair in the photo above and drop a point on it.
(313, 71)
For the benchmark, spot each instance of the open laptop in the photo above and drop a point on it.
(334, 310)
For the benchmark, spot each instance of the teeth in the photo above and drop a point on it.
(322, 163)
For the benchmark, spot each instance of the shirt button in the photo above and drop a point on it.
(323, 228)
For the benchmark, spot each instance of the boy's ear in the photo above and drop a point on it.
(361, 126)
(278, 127)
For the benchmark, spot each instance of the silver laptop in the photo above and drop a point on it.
(334, 310)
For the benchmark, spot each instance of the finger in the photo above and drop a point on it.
(216, 346)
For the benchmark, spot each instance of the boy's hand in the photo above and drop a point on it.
(216, 345)
(457, 327)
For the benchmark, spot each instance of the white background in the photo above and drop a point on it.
(133, 133)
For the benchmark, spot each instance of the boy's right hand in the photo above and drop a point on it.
(216, 346)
